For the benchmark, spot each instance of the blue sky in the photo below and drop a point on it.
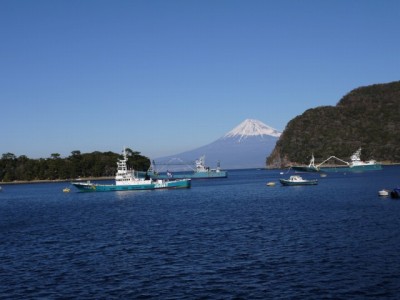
(163, 77)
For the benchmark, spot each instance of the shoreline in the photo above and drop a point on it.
(112, 177)
(54, 181)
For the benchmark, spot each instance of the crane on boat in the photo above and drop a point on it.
(332, 157)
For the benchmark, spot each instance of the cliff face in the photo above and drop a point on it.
(367, 117)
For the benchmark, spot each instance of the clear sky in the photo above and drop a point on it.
(163, 77)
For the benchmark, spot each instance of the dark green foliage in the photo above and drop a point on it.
(367, 117)
(95, 164)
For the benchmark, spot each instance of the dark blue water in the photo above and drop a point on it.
(230, 238)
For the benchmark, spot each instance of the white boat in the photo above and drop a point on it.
(298, 180)
(126, 180)
(357, 162)
(355, 165)
(201, 171)
(384, 193)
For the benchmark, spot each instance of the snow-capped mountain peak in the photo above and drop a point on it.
(251, 127)
(245, 146)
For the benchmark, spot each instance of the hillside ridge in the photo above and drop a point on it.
(367, 117)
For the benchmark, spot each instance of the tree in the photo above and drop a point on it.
(95, 164)
(55, 155)
(8, 164)
(8, 156)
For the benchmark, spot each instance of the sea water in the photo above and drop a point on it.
(233, 238)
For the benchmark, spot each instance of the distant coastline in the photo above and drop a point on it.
(112, 177)
(55, 180)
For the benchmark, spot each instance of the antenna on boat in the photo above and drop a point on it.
(312, 161)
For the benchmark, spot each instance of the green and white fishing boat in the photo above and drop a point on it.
(201, 171)
(126, 180)
(310, 168)
(356, 165)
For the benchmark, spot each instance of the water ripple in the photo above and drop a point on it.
(222, 239)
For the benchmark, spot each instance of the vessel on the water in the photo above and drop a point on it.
(310, 168)
(201, 171)
(395, 193)
(356, 165)
(127, 180)
(384, 192)
(298, 180)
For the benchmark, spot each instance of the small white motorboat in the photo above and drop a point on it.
(383, 193)
(298, 180)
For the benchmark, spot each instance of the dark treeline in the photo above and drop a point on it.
(95, 164)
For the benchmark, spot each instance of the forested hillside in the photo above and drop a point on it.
(95, 164)
(367, 117)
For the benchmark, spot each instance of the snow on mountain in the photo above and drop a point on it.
(250, 127)
(245, 146)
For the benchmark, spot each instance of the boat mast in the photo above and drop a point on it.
(312, 165)
(356, 156)
(200, 164)
(121, 163)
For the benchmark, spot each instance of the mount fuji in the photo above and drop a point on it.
(245, 146)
